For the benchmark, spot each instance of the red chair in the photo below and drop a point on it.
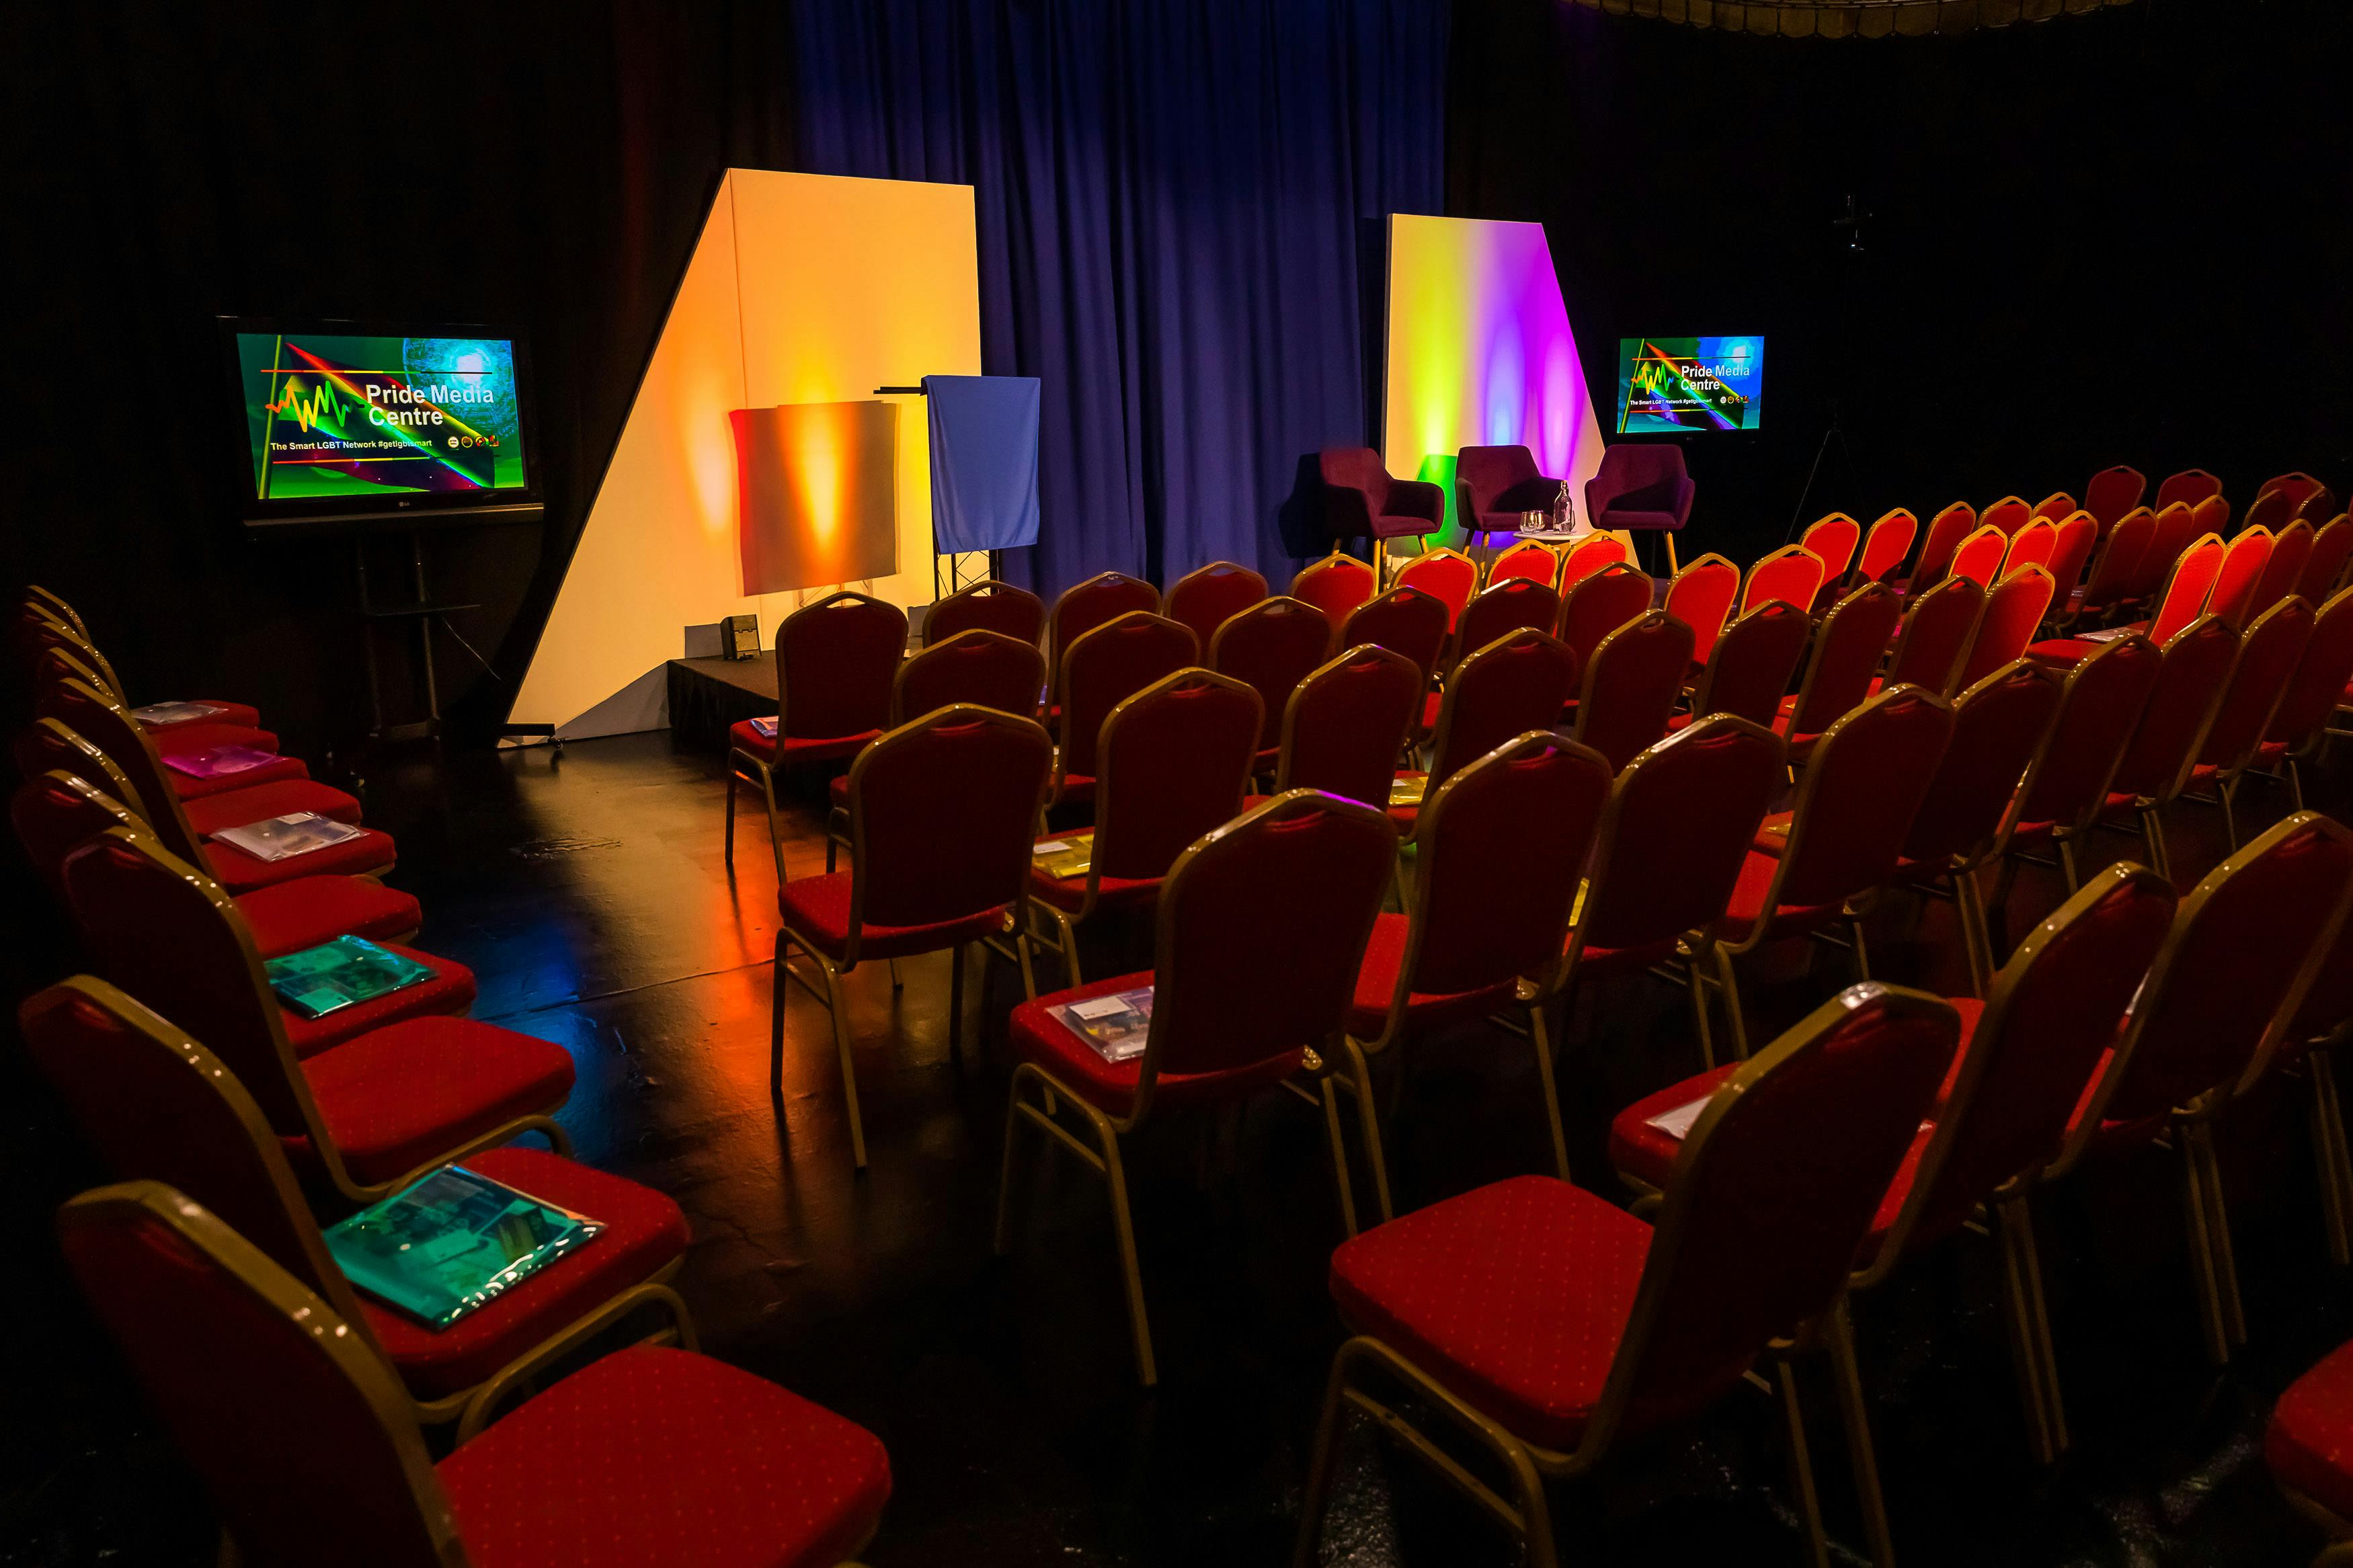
(1500, 691)
(1594, 553)
(2239, 576)
(1946, 532)
(2157, 763)
(269, 791)
(56, 812)
(1834, 539)
(1630, 686)
(2112, 492)
(2319, 508)
(1082, 607)
(1544, 1322)
(1936, 630)
(1261, 930)
(835, 662)
(2211, 515)
(1361, 501)
(300, 1432)
(364, 1118)
(1345, 725)
(1837, 679)
(2272, 511)
(979, 667)
(2032, 545)
(1978, 558)
(1841, 839)
(1750, 667)
(2183, 601)
(1101, 668)
(2304, 1444)
(1336, 586)
(2175, 526)
(1886, 544)
(62, 652)
(942, 812)
(1495, 486)
(2079, 533)
(2189, 487)
(2006, 625)
(2244, 947)
(1613, 598)
(1273, 645)
(159, 1106)
(1792, 573)
(988, 605)
(2009, 514)
(2322, 1024)
(2267, 661)
(1511, 604)
(2299, 725)
(1182, 748)
(1530, 558)
(2324, 566)
(1204, 599)
(1403, 620)
(1701, 597)
(2291, 550)
(2114, 570)
(2056, 505)
(2296, 486)
(1499, 852)
(1446, 575)
(1668, 854)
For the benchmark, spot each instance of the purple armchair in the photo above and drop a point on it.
(1642, 485)
(1494, 485)
(1361, 501)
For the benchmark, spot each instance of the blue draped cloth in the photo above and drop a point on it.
(983, 461)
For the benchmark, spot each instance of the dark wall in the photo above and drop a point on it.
(2120, 237)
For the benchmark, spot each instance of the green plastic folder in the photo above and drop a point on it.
(337, 974)
(453, 1241)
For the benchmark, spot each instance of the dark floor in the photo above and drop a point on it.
(587, 889)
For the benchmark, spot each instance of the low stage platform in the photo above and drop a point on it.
(707, 695)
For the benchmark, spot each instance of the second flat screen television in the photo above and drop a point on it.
(1676, 385)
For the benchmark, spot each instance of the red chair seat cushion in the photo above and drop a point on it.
(188, 787)
(1748, 904)
(233, 869)
(1109, 1087)
(282, 798)
(450, 990)
(203, 734)
(645, 1232)
(1377, 982)
(815, 910)
(1430, 707)
(395, 1099)
(1077, 789)
(1512, 1297)
(786, 750)
(290, 916)
(1068, 894)
(237, 714)
(2309, 1443)
(662, 1456)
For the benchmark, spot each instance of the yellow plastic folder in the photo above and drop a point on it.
(1408, 789)
(1067, 857)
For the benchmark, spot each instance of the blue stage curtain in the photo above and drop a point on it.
(1178, 204)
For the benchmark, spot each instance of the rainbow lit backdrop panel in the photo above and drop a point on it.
(333, 415)
(1667, 386)
(1480, 352)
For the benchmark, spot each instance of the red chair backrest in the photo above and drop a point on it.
(2325, 565)
(2175, 527)
(1600, 605)
(2190, 681)
(2268, 656)
(1748, 673)
(1773, 1192)
(2055, 505)
(1681, 819)
(1587, 556)
(2329, 1005)
(2114, 492)
(1978, 559)
(1864, 786)
(1335, 586)
(2211, 515)
(1106, 666)
(2319, 508)
(1833, 537)
(2078, 532)
(981, 667)
(1203, 599)
(1886, 545)
(1935, 633)
(1510, 604)
(1793, 572)
(2319, 685)
(2119, 565)
(1630, 686)
(1446, 575)
(2189, 487)
(1846, 652)
(2031, 545)
(988, 605)
(2290, 548)
(942, 814)
(2296, 486)
(1404, 620)
(2229, 968)
(1273, 645)
(1530, 558)
(2187, 588)
(835, 660)
(1102, 598)
(1519, 682)
(1175, 760)
(2239, 576)
(1701, 597)
(1500, 847)
(1946, 532)
(1261, 927)
(1998, 724)
(1345, 725)
(2009, 514)
(2271, 510)
(2099, 709)
(86, 718)
(2006, 625)
(56, 811)
(301, 1432)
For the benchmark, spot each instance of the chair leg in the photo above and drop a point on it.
(1069, 934)
(1854, 1414)
(1977, 938)
(1730, 984)
(1347, 1190)
(1997, 908)
(2295, 786)
(731, 813)
(1307, 1548)
(1862, 953)
(2201, 1252)
(2029, 1337)
(1801, 1464)
(896, 983)
(1004, 1239)
(839, 1006)
(2152, 832)
(777, 1021)
(2228, 791)
(1021, 946)
(1539, 1037)
(1696, 991)
(2218, 1231)
(956, 1004)
(1368, 1127)
(1114, 1174)
(2067, 869)
(2329, 1149)
(775, 829)
(1673, 566)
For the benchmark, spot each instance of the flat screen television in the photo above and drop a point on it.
(346, 421)
(1675, 385)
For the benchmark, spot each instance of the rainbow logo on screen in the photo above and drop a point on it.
(343, 417)
(1667, 386)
